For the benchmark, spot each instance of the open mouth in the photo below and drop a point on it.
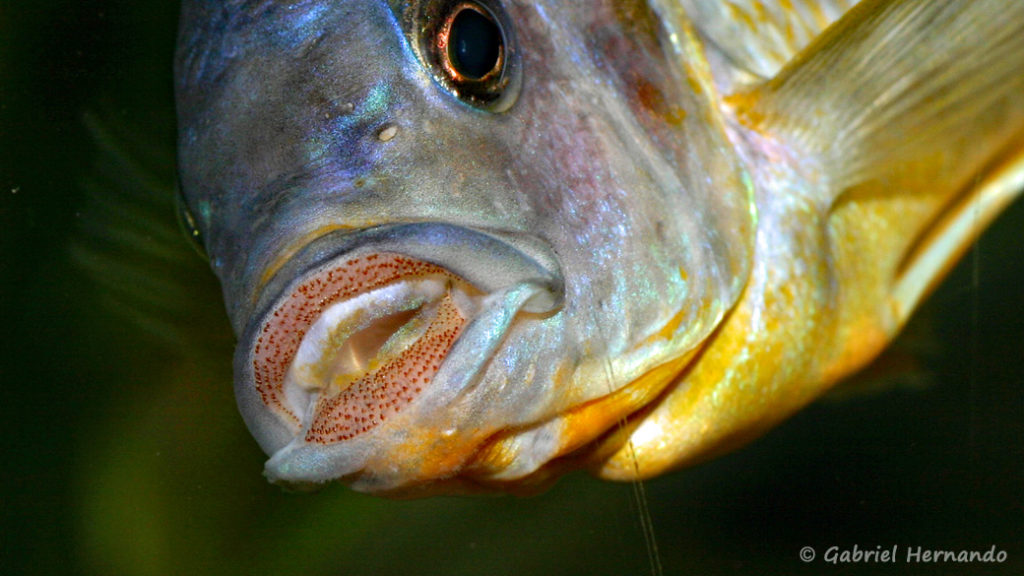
(365, 341)
(357, 341)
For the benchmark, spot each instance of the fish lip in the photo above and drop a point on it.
(412, 451)
(498, 261)
(517, 257)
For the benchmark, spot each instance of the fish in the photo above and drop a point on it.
(472, 245)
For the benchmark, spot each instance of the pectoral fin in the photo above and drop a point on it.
(896, 86)
(944, 243)
(914, 111)
(129, 245)
(760, 37)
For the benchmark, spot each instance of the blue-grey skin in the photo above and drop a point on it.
(581, 194)
(625, 242)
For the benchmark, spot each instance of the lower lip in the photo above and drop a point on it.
(380, 393)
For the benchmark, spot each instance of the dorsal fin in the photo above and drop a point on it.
(761, 36)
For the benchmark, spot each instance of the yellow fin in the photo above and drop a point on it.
(914, 112)
(959, 226)
(903, 366)
(759, 36)
(894, 86)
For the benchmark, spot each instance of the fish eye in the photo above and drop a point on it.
(470, 48)
(473, 44)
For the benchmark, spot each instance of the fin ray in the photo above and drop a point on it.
(898, 83)
(758, 36)
(128, 243)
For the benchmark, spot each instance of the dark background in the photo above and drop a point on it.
(123, 452)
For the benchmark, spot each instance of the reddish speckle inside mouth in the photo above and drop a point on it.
(376, 395)
(385, 391)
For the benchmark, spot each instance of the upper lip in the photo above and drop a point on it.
(490, 260)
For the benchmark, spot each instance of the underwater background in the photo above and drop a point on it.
(123, 452)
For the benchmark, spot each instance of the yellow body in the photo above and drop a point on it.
(875, 237)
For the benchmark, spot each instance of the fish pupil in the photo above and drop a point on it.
(475, 44)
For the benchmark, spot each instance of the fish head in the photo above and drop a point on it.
(457, 240)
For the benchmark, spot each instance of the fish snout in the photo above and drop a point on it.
(385, 333)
